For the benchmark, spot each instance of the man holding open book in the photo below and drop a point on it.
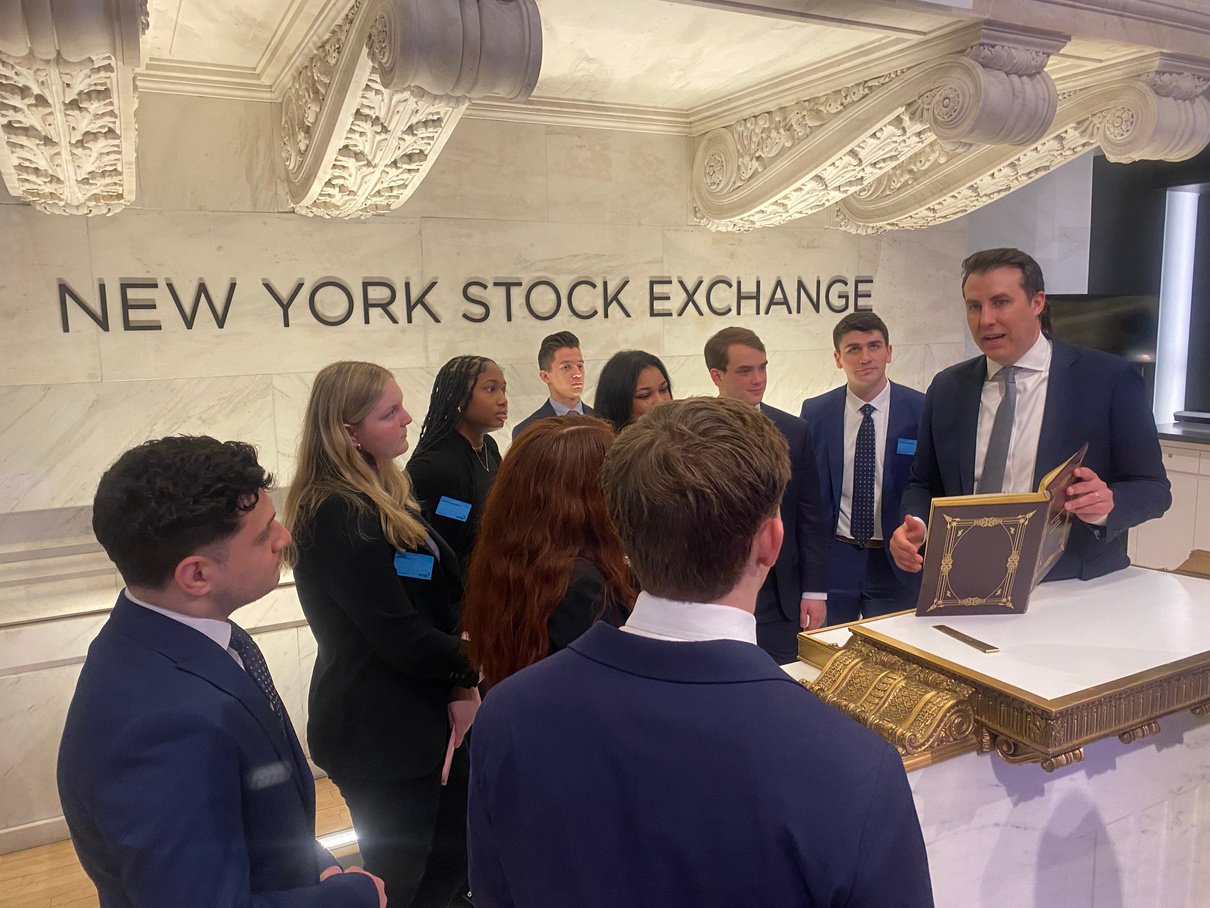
(1001, 421)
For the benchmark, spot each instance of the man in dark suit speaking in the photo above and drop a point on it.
(180, 775)
(671, 762)
(794, 596)
(1003, 420)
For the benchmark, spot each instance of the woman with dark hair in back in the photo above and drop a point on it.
(550, 562)
(456, 459)
(630, 384)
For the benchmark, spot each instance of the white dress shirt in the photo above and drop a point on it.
(689, 622)
(218, 631)
(561, 410)
(1033, 375)
(852, 423)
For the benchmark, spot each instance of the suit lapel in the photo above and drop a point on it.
(969, 394)
(835, 438)
(1061, 392)
(193, 652)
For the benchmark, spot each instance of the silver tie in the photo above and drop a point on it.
(994, 463)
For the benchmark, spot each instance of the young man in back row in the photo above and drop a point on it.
(864, 434)
(561, 368)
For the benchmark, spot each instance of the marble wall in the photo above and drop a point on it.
(505, 200)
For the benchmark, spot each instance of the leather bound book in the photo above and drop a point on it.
(986, 553)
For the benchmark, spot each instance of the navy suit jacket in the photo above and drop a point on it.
(630, 771)
(180, 786)
(825, 417)
(802, 563)
(546, 411)
(1091, 397)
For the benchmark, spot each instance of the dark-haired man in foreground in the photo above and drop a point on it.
(1003, 420)
(181, 777)
(672, 762)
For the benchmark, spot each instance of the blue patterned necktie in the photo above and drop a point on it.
(256, 667)
(861, 518)
(996, 459)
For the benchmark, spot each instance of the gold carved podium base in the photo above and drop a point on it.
(931, 710)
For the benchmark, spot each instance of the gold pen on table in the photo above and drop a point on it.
(967, 639)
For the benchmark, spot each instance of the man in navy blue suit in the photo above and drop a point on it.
(671, 762)
(561, 368)
(180, 775)
(1003, 420)
(865, 438)
(794, 596)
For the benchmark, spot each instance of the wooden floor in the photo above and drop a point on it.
(51, 875)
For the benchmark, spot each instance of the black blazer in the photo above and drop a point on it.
(802, 563)
(452, 469)
(389, 647)
(1090, 397)
(586, 602)
(546, 411)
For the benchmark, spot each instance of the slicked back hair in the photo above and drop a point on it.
(166, 499)
(1032, 281)
(859, 321)
(688, 486)
(719, 345)
(553, 343)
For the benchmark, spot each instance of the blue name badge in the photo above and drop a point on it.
(905, 446)
(453, 509)
(415, 565)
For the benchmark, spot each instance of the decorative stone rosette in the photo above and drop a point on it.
(67, 102)
(366, 116)
(1157, 114)
(919, 146)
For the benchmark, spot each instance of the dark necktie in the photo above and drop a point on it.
(256, 667)
(861, 519)
(996, 459)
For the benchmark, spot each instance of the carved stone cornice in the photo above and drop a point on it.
(366, 116)
(801, 158)
(1159, 113)
(67, 102)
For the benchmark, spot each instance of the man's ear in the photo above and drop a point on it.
(193, 575)
(766, 545)
(545, 376)
(716, 376)
(836, 356)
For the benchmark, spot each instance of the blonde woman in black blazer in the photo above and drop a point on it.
(381, 591)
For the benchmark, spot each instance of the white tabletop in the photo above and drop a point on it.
(1076, 635)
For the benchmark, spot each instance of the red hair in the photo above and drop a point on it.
(546, 508)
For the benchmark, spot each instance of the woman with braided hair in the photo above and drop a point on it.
(456, 459)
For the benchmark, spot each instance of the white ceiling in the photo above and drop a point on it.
(689, 58)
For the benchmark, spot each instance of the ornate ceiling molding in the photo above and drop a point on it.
(783, 164)
(366, 116)
(67, 102)
(1159, 113)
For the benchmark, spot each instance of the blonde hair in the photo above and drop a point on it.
(330, 464)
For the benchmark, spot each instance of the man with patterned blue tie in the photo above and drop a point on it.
(864, 434)
(181, 778)
(1003, 420)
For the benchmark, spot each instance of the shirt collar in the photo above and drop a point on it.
(1035, 359)
(881, 400)
(218, 631)
(668, 619)
(561, 410)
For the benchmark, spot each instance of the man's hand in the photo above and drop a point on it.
(812, 613)
(329, 871)
(906, 542)
(1089, 498)
(378, 884)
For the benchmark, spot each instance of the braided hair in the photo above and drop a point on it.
(452, 391)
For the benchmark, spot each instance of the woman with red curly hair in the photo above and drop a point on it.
(549, 562)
